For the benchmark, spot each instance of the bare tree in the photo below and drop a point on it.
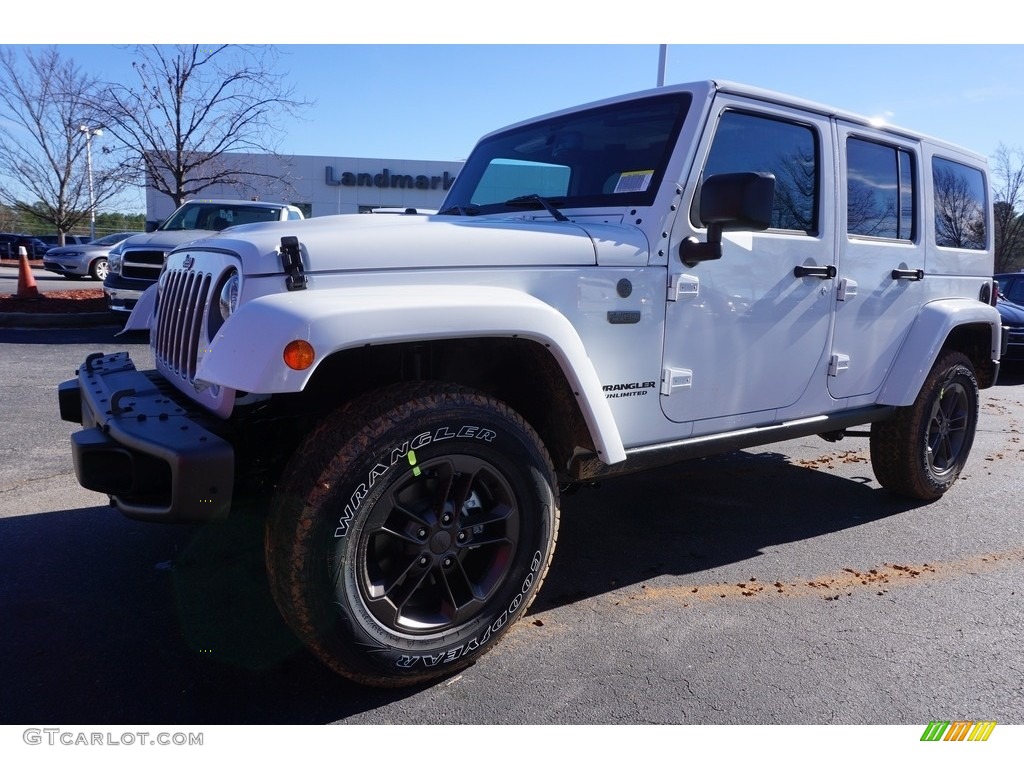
(43, 173)
(1008, 188)
(191, 106)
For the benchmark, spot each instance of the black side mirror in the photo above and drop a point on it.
(730, 201)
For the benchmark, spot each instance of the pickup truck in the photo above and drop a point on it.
(135, 264)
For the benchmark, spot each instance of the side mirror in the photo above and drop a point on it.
(730, 201)
(152, 225)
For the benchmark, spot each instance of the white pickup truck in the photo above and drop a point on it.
(665, 275)
(134, 264)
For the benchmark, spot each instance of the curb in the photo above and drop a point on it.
(54, 320)
(65, 320)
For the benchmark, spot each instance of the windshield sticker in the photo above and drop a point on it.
(633, 181)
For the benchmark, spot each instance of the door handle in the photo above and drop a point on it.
(824, 273)
(908, 274)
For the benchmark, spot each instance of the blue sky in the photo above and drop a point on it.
(433, 101)
(379, 92)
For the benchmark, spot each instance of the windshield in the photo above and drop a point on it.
(112, 239)
(218, 216)
(606, 156)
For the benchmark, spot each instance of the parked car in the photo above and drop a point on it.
(1010, 304)
(34, 247)
(77, 261)
(135, 264)
(54, 240)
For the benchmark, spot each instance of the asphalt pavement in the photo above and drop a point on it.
(777, 585)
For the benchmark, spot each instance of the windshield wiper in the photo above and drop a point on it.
(541, 201)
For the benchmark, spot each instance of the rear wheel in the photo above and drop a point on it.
(410, 531)
(921, 452)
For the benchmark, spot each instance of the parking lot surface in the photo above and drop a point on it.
(778, 585)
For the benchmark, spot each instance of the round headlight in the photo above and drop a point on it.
(229, 295)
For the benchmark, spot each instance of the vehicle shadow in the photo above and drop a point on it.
(112, 621)
(700, 515)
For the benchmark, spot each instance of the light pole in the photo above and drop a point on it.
(89, 133)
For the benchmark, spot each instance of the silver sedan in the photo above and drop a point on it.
(77, 261)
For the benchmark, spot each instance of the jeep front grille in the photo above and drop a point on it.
(179, 320)
(142, 265)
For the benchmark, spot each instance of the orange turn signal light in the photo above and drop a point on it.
(298, 355)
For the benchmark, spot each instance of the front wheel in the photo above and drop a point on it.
(99, 269)
(410, 531)
(922, 450)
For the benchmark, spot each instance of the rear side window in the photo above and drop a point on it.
(959, 205)
(747, 142)
(880, 191)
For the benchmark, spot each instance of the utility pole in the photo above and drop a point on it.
(89, 133)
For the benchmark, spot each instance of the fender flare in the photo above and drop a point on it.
(246, 353)
(925, 340)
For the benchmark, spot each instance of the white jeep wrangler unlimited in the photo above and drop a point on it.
(665, 275)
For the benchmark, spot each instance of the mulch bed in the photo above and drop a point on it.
(57, 302)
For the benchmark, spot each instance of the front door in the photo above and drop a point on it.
(745, 335)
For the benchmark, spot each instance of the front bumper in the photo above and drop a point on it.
(145, 445)
(72, 268)
(1013, 343)
(122, 294)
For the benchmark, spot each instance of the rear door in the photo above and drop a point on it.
(881, 257)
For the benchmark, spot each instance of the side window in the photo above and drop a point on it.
(1012, 290)
(880, 191)
(959, 205)
(746, 142)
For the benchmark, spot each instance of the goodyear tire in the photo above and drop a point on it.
(922, 450)
(410, 531)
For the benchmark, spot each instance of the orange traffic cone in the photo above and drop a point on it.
(26, 282)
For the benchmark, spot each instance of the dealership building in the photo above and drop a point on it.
(322, 186)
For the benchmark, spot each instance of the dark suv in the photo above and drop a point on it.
(52, 241)
(34, 247)
(1010, 304)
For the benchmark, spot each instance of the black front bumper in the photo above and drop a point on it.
(1013, 343)
(123, 293)
(144, 444)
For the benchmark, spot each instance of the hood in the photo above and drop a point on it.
(360, 241)
(164, 240)
(65, 250)
(1012, 314)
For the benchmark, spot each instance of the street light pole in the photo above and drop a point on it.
(89, 133)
